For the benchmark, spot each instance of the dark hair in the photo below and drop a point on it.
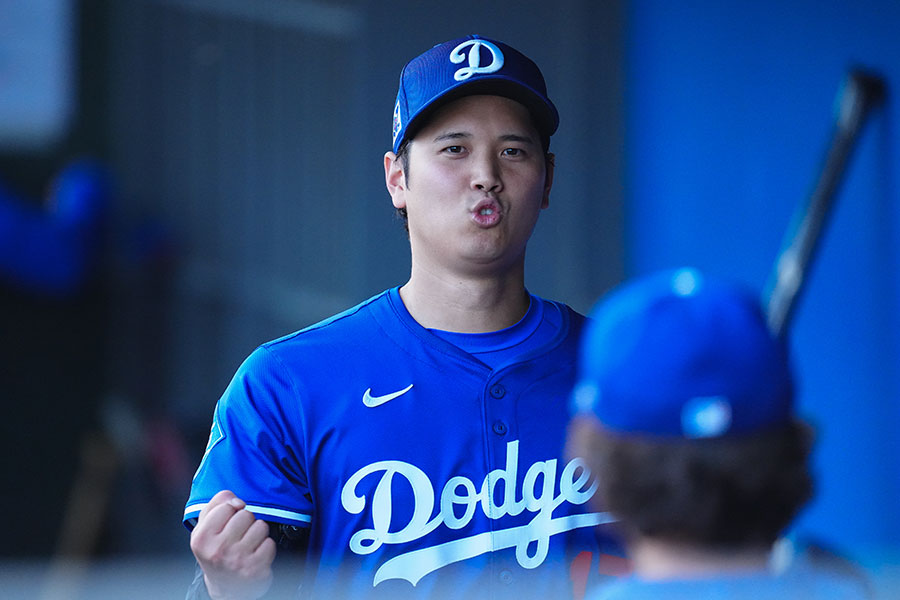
(730, 492)
(403, 157)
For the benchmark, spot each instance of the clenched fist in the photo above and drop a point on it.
(233, 548)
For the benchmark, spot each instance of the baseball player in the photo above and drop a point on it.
(684, 402)
(412, 446)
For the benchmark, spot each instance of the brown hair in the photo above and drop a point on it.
(736, 491)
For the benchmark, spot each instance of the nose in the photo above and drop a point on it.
(486, 174)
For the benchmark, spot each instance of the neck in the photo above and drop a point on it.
(657, 559)
(465, 305)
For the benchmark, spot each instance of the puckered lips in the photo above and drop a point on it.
(487, 213)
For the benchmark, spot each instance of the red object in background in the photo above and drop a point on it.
(608, 565)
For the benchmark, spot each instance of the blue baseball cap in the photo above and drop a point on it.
(678, 354)
(464, 67)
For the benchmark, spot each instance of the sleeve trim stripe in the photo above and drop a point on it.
(194, 509)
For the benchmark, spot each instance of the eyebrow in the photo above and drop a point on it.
(514, 137)
(451, 135)
(508, 137)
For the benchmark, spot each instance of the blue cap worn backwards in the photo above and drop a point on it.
(467, 66)
(679, 355)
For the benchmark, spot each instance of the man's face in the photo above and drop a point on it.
(477, 182)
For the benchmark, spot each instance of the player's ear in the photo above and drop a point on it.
(550, 165)
(394, 179)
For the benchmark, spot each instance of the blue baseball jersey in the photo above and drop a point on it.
(420, 470)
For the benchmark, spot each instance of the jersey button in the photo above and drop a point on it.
(500, 428)
(498, 391)
(506, 576)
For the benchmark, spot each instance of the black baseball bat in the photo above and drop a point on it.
(860, 92)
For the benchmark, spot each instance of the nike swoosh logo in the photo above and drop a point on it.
(373, 401)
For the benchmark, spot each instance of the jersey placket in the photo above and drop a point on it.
(500, 429)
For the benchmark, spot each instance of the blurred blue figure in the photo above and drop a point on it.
(53, 249)
(54, 302)
(684, 408)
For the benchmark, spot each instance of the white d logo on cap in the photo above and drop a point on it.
(458, 55)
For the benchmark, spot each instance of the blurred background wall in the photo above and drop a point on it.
(245, 140)
(730, 108)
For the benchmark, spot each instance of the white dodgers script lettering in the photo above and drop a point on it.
(459, 499)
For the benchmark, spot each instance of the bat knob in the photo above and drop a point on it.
(871, 85)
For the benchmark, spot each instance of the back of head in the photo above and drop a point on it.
(690, 404)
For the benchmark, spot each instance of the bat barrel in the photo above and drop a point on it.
(860, 92)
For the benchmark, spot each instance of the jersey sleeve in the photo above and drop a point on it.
(255, 448)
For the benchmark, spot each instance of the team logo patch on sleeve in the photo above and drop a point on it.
(216, 435)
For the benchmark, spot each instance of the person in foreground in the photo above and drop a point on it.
(413, 445)
(684, 409)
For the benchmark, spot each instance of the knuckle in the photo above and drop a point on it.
(269, 548)
(243, 519)
(243, 514)
(260, 526)
(198, 541)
